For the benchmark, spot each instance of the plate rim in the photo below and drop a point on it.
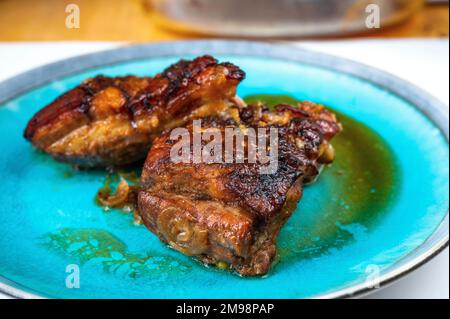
(431, 107)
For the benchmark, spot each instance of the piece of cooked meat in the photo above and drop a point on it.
(230, 212)
(112, 121)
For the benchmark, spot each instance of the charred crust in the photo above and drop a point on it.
(236, 192)
(72, 101)
(263, 195)
(246, 114)
(150, 105)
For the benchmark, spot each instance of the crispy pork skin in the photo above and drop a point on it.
(112, 121)
(229, 213)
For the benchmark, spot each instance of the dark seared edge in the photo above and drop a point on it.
(82, 126)
(230, 214)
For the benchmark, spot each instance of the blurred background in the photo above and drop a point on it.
(156, 20)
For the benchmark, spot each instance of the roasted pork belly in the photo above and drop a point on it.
(109, 121)
(230, 213)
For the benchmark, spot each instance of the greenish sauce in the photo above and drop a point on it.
(346, 202)
(359, 188)
(84, 245)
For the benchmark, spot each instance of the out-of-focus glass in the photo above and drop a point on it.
(278, 17)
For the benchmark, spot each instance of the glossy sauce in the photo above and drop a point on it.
(361, 185)
(84, 245)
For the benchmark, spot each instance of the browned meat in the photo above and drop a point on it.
(230, 213)
(112, 121)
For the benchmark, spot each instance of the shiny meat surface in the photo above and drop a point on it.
(112, 121)
(230, 213)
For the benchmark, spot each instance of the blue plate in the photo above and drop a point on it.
(342, 241)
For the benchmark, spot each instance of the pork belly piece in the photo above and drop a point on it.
(229, 213)
(112, 121)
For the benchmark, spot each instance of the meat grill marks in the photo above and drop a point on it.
(112, 121)
(230, 213)
(223, 214)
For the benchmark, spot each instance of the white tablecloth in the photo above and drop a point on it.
(422, 62)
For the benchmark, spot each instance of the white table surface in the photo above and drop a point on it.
(422, 62)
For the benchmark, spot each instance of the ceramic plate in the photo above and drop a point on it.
(380, 211)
